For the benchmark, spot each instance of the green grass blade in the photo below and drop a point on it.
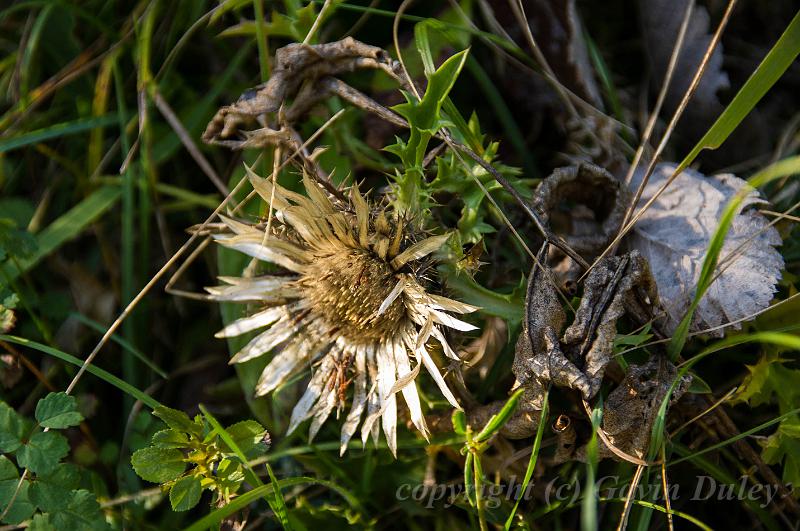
(69, 225)
(215, 517)
(768, 72)
(537, 444)
(124, 343)
(56, 131)
(499, 419)
(589, 501)
(100, 373)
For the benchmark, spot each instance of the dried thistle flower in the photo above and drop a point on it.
(353, 308)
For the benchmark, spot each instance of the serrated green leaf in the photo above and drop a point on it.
(53, 492)
(158, 465)
(58, 411)
(170, 438)
(185, 493)
(22, 508)
(83, 513)
(249, 437)
(41, 522)
(13, 428)
(177, 420)
(770, 380)
(230, 475)
(42, 452)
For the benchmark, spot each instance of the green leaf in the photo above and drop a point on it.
(58, 411)
(83, 513)
(13, 428)
(537, 444)
(425, 115)
(185, 493)
(9, 479)
(249, 437)
(42, 452)
(53, 492)
(265, 491)
(459, 419)
(770, 380)
(97, 371)
(230, 475)
(158, 465)
(41, 522)
(55, 131)
(22, 508)
(170, 439)
(178, 420)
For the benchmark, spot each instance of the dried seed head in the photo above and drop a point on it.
(354, 307)
(348, 288)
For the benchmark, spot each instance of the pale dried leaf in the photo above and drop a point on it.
(674, 235)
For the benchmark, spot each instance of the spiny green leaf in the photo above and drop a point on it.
(185, 493)
(58, 411)
(42, 452)
(158, 465)
(425, 115)
(53, 492)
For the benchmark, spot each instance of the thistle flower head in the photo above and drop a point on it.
(352, 307)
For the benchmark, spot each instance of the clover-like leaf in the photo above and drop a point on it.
(58, 411)
(9, 479)
(13, 429)
(53, 492)
(42, 452)
(158, 465)
(81, 514)
(185, 493)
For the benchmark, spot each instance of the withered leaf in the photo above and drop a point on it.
(674, 234)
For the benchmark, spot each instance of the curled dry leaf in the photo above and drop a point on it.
(302, 72)
(584, 205)
(674, 235)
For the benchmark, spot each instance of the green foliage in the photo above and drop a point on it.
(50, 496)
(771, 381)
(212, 462)
(424, 119)
(58, 411)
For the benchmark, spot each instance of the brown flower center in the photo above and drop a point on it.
(347, 288)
